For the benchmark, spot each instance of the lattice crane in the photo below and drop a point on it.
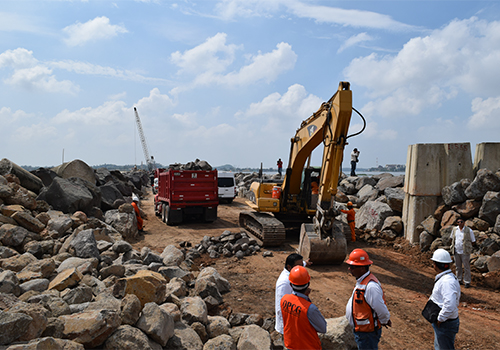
(149, 159)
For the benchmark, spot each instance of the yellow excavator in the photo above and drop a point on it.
(305, 191)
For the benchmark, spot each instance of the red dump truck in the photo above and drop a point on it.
(183, 193)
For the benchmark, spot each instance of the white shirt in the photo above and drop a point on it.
(374, 298)
(446, 294)
(459, 239)
(354, 156)
(282, 287)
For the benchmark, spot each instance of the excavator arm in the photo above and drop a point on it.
(329, 125)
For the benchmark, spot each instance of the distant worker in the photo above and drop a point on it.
(301, 318)
(135, 204)
(280, 166)
(283, 285)
(314, 192)
(366, 310)
(354, 160)
(462, 240)
(351, 215)
(446, 295)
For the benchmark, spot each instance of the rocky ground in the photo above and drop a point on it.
(405, 273)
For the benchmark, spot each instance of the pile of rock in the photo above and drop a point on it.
(70, 281)
(196, 165)
(477, 202)
(228, 244)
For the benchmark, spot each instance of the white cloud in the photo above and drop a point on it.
(36, 132)
(486, 113)
(204, 60)
(229, 9)
(95, 29)
(430, 70)
(212, 56)
(355, 40)
(13, 22)
(9, 117)
(111, 112)
(156, 102)
(40, 78)
(18, 58)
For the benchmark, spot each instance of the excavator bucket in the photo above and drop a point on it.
(331, 250)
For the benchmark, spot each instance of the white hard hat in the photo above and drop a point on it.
(135, 198)
(441, 256)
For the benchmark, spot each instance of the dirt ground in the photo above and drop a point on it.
(406, 276)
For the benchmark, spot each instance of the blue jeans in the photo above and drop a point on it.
(368, 340)
(444, 335)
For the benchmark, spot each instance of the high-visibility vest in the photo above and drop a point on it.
(298, 332)
(362, 314)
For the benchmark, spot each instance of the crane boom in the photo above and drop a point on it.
(149, 160)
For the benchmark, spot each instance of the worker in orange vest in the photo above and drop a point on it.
(301, 318)
(135, 204)
(366, 310)
(351, 215)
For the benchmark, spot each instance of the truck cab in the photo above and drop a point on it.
(227, 187)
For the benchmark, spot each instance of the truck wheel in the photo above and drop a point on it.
(164, 212)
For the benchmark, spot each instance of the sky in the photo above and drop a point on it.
(230, 81)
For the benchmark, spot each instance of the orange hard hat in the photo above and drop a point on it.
(359, 257)
(349, 204)
(299, 276)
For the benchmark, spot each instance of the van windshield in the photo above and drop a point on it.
(226, 182)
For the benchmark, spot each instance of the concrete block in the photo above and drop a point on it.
(430, 167)
(487, 156)
(415, 210)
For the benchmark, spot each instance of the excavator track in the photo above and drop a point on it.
(264, 226)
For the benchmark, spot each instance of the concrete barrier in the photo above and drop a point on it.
(429, 168)
(487, 156)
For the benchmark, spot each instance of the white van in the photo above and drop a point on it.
(227, 188)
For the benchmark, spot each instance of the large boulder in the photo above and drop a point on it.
(395, 198)
(184, 338)
(130, 338)
(372, 215)
(254, 337)
(338, 335)
(156, 323)
(125, 223)
(13, 326)
(27, 180)
(109, 195)
(468, 209)
(453, 194)
(485, 181)
(148, 286)
(367, 193)
(76, 168)
(84, 245)
(490, 208)
(67, 196)
(390, 181)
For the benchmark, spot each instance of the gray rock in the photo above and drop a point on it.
(156, 323)
(217, 325)
(7, 252)
(372, 215)
(212, 275)
(481, 263)
(453, 194)
(48, 343)
(27, 221)
(177, 287)
(425, 241)
(9, 283)
(390, 181)
(394, 223)
(204, 288)
(39, 317)
(130, 338)
(493, 262)
(193, 309)
(172, 256)
(13, 326)
(221, 342)
(431, 225)
(130, 309)
(395, 198)
(12, 235)
(200, 329)
(185, 338)
(367, 193)
(468, 209)
(170, 272)
(254, 337)
(338, 334)
(490, 208)
(85, 245)
(68, 196)
(485, 181)
(78, 295)
(365, 180)
(39, 285)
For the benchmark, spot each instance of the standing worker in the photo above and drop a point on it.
(366, 310)
(301, 318)
(446, 295)
(351, 215)
(283, 286)
(462, 240)
(135, 204)
(354, 160)
(279, 163)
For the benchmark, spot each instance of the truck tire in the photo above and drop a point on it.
(165, 209)
(210, 214)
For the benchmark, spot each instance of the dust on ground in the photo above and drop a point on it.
(406, 276)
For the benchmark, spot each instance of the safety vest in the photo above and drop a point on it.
(298, 332)
(362, 313)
